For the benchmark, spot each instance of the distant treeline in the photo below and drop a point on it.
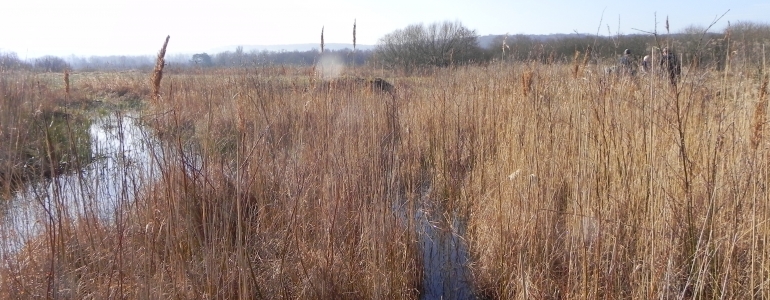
(255, 58)
(227, 59)
(11, 61)
(742, 42)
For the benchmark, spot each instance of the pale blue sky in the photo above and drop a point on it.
(102, 27)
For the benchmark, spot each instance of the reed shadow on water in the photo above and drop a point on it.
(120, 159)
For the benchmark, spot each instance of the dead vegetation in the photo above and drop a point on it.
(572, 184)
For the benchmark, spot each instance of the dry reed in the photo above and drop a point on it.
(760, 115)
(526, 82)
(576, 65)
(157, 73)
(354, 35)
(67, 84)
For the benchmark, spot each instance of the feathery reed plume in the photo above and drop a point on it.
(576, 66)
(760, 112)
(587, 56)
(354, 35)
(322, 39)
(66, 84)
(526, 83)
(157, 74)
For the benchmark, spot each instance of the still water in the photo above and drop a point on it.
(123, 153)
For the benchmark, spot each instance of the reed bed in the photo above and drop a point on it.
(572, 184)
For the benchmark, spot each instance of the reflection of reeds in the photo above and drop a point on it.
(157, 73)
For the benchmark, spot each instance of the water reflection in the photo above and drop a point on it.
(445, 257)
(444, 251)
(123, 152)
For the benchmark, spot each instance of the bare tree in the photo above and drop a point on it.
(51, 64)
(11, 61)
(438, 44)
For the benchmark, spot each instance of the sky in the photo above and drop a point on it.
(33, 28)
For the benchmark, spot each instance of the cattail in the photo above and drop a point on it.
(760, 113)
(322, 39)
(157, 74)
(66, 84)
(354, 35)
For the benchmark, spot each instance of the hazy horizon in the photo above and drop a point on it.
(94, 28)
(247, 49)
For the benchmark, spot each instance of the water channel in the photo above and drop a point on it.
(123, 155)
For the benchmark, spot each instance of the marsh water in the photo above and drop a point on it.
(122, 158)
(445, 255)
(444, 252)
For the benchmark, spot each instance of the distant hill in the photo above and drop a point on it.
(293, 47)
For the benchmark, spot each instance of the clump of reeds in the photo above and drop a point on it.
(157, 74)
(760, 113)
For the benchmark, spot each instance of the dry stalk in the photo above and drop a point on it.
(526, 83)
(157, 74)
(66, 84)
(587, 57)
(576, 66)
(760, 113)
(354, 35)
